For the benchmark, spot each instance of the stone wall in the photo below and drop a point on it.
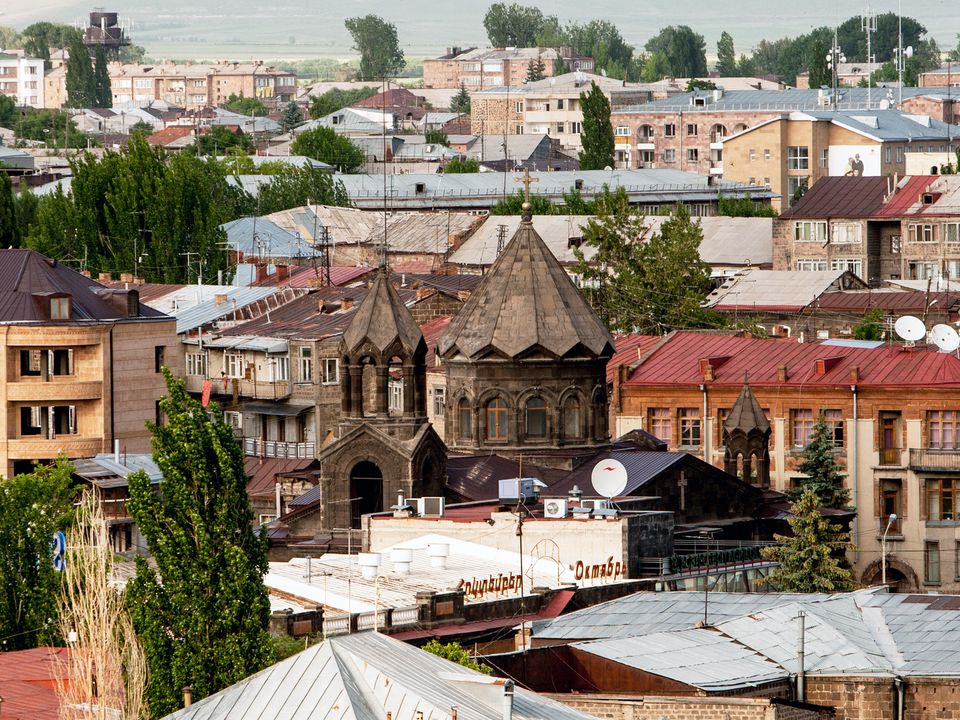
(689, 708)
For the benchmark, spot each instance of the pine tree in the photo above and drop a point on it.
(536, 70)
(823, 473)
(726, 56)
(812, 559)
(461, 101)
(80, 80)
(291, 117)
(202, 614)
(597, 137)
(101, 77)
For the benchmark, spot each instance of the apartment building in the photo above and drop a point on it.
(791, 152)
(946, 76)
(894, 414)
(483, 68)
(548, 107)
(879, 228)
(686, 131)
(21, 78)
(197, 86)
(79, 363)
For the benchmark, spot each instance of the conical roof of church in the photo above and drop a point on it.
(382, 319)
(746, 413)
(526, 301)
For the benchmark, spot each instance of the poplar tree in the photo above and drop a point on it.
(597, 136)
(202, 615)
(80, 80)
(101, 78)
(9, 234)
(726, 56)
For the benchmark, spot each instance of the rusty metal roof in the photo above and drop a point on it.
(840, 197)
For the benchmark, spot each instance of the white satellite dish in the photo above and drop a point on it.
(910, 328)
(609, 478)
(945, 338)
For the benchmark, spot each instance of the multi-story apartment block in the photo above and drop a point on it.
(198, 86)
(876, 227)
(79, 364)
(946, 76)
(687, 131)
(21, 78)
(791, 152)
(893, 412)
(482, 68)
(549, 107)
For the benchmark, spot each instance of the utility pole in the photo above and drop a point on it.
(835, 57)
(868, 23)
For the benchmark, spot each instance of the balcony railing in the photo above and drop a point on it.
(255, 447)
(934, 460)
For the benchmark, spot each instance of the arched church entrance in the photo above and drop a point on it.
(366, 484)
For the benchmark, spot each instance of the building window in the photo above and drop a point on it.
(280, 368)
(576, 127)
(691, 129)
(943, 429)
(810, 265)
(689, 427)
(798, 157)
(233, 365)
(331, 371)
(559, 128)
(931, 563)
(752, 154)
(810, 231)
(497, 420)
(795, 184)
(922, 270)
(693, 155)
(890, 504)
(158, 353)
(669, 130)
(846, 265)
(825, 158)
(660, 424)
(622, 131)
(887, 154)
(536, 418)
(464, 420)
(559, 103)
(899, 154)
(941, 502)
(801, 422)
(951, 232)
(834, 422)
(60, 308)
(571, 418)
(197, 364)
(305, 362)
(30, 363)
(520, 107)
(234, 420)
(922, 233)
(670, 155)
(956, 560)
(766, 153)
(439, 401)
(395, 397)
(30, 422)
(846, 233)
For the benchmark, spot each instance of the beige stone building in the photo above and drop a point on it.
(80, 364)
(482, 68)
(21, 79)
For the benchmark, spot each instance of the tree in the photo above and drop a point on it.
(291, 117)
(9, 38)
(851, 38)
(726, 56)
(294, 187)
(337, 99)
(132, 53)
(536, 70)
(105, 667)
(38, 39)
(597, 136)
(799, 192)
(460, 102)
(743, 207)
(436, 137)
(643, 282)
(454, 652)
(954, 54)
(53, 127)
(820, 73)
(103, 93)
(513, 205)
(376, 41)
(245, 106)
(8, 110)
(513, 25)
(461, 165)
(822, 472)
(871, 326)
(811, 559)
(142, 127)
(80, 81)
(219, 139)
(9, 228)
(32, 507)
(684, 50)
(325, 145)
(202, 615)
(601, 40)
(697, 84)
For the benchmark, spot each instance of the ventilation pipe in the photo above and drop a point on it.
(369, 564)
(116, 451)
(401, 559)
(187, 696)
(508, 700)
(802, 618)
(438, 553)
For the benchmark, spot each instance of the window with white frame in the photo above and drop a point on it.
(622, 131)
(887, 154)
(923, 233)
(520, 107)
(233, 364)
(279, 368)
(811, 265)
(395, 396)
(795, 184)
(848, 265)
(766, 153)
(576, 128)
(331, 371)
(305, 364)
(825, 158)
(669, 155)
(752, 154)
(197, 364)
(846, 233)
(798, 157)
(439, 401)
(922, 271)
(669, 130)
(810, 231)
(951, 232)
(693, 155)
(233, 419)
(899, 153)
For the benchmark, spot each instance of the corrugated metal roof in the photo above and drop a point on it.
(891, 301)
(210, 310)
(262, 473)
(261, 238)
(677, 362)
(643, 466)
(367, 676)
(27, 679)
(779, 289)
(840, 197)
(477, 477)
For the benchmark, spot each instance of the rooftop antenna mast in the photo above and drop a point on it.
(382, 250)
(868, 23)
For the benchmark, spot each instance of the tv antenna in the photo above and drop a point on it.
(945, 338)
(910, 328)
(868, 23)
(609, 478)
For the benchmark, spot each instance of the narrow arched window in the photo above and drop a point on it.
(572, 424)
(464, 419)
(497, 420)
(536, 418)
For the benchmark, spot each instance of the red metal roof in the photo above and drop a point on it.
(840, 197)
(27, 685)
(907, 195)
(432, 331)
(628, 350)
(262, 473)
(314, 277)
(677, 362)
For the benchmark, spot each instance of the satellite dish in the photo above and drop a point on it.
(609, 478)
(945, 338)
(910, 328)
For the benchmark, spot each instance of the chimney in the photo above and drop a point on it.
(220, 299)
(321, 306)
(346, 303)
(187, 696)
(126, 277)
(85, 273)
(855, 374)
(706, 369)
(261, 273)
(508, 700)
(105, 277)
(782, 374)
(283, 272)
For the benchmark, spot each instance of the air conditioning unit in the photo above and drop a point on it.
(596, 504)
(511, 490)
(555, 508)
(430, 506)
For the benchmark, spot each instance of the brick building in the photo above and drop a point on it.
(481, 68)
(946, 76)
(893, 411)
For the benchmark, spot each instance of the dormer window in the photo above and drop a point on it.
(60, 308)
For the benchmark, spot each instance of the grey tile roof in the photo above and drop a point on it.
(384, 322)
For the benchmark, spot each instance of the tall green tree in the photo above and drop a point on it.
(823, 475)
(202, 614)
(513, 25)
(602, 41)
(245, 106)
(325, 145)
(8, 110)
(536, 70)
(41, 37)
(9, 228)
(461, 101)
(219, 139)
(101, 77)
(597, 137)
(337, 99)
(811, 560)
(32, 507)
(80, 81)
(726, 56)
(294, 187)
(376, 41)
(290, 117)
(684, 50)
(820, 73)
(853, 40)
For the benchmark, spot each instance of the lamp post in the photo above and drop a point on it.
(883, 549)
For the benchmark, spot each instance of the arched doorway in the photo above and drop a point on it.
(366, 484)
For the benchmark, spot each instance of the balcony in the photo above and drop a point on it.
(927, 460)
(255, 447)
(716, 167)
(256, 389)
(73, 446)
(890, 456)
(45, 392)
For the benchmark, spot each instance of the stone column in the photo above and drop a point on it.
(356, 391)
(381, 397)
(346, 395)
(410, 392)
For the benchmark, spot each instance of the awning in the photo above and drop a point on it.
(270, 408)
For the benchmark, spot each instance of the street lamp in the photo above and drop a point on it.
(883, 549)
